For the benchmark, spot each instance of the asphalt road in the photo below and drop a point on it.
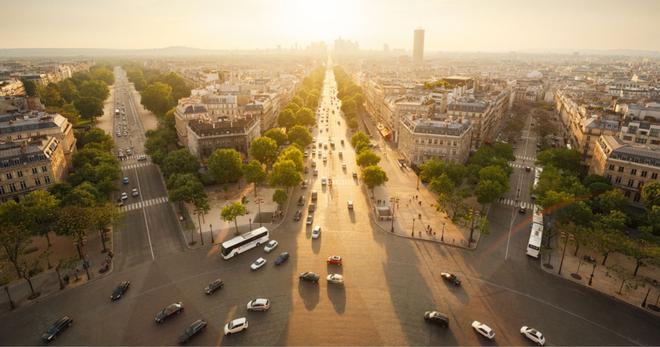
(390, 282)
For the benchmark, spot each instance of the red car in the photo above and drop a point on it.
(334, 259)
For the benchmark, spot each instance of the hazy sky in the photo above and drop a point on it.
(451, 25)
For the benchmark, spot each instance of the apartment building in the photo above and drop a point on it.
(484, 112)
(641, 133)
(424, 138)
(205, 135)
(628, 167)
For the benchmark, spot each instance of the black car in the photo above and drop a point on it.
(194, 328)
(451, 278)
(120, 290)
(311, 207)
(301, 201)
(169, 311)
(284, 256)
(436, 317)
(309, 276)
(213, 286)
(59, 326)
(297, 215)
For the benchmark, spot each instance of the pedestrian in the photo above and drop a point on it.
(420, 216)
(434, 234)
(420, 203)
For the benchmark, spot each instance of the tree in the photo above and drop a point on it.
(453, 203)
(254, 173)
(179, 161)
(359, 137)
(305, 116)
(494, 173)
(94, 89)
(607, 235)
(651, 194)
(70, 112)
(294, 154)
(41, 208)
(201, 204)
(232, 211)
(285, 173)
(89, 107)
(225, 165)
(348, 106)
(611, 200)
(373, 176)
(442, 184)
(68, 90)
(180, 89)
(296, 100)
(102, 217)
(431, 169)
(367, 158)
(280, 197)
(50, 95)
(300, 135)
(96, 136)
(102, 73)
(286, 118)
(83, 195)
(30, 87)
(488, 191)
(74, 221)
(14, 239)
(642, 249)
(567, 160)
(278, 135)
(184, 188)
(264, 149)
(157, 98)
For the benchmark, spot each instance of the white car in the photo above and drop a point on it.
(335, 278)
(483, 329)
(135, 192)
(533, 335)
(323, 181)
(124, 196)
(258, 305)
(271, 245)
(316, 232)
(236, 326)
(258, 264)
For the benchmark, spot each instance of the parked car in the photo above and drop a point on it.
(310, 219)
(135, 192)
(236, 326)
(323, 181)
(522, 209)
(125, 180)
(451, 278)
(142, 157)
(258, 264)
(56, 328)
(301, 201)
(355, 174)
(330, 181)
(214, 286)
(528, 169)
(283, 257)
(483, 329)
(334, 260)
(120, 290)
(436, 317)
(316, 232)
(335, 278)
(124, 196)
(258, 305)
(533, 334)
(297, 215)
(271, 245)
(168, 311)
(309, 276)
(192, 330)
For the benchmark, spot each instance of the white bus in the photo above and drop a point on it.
(245, 242)
(537, 217)
(535, 238)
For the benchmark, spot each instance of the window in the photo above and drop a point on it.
(636, 198)
(47, 179)
(618, 179)
(23, 185)
(44, 169)
(633, 172)
(620, 168)
(654, 176)
(37, 181)
(9, 175)
(611, 167)
(19, 173)
(627, 194)
(2, 190)
(12, 187)
(34, 171)
(643, 174)
(631, 182)
(609, 177)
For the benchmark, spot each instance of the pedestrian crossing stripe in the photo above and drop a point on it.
(520, 166)
(511, 202)
(145, 203)
(135, 165)
(524, 157)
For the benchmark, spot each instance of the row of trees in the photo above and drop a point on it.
(160, 91)
(372, 175)
(594, 213)
(300, 110)
(351, 97)
(73, 208)
(81, 95)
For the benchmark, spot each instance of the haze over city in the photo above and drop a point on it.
(451, 25)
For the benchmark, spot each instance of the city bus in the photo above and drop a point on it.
(245, 242)
(535, 238)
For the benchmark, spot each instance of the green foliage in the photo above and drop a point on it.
(15, 237)
(185, 188)
(609, 201)
(161, 141)
(50, 95)
(300, 135)
(373, 176)
(295, 155)
(96, 166)
(232, 211)
(264, 149)
(305, 116)
(89, 107)
(286, 118)
(74, 221)
(94, 89)
(179, 162)
(254, 172)
(567, 160)
(359, 137)
(97, 137)
(83, 195)
(278, 135)
(225, 165)
(68, 90)
(496, 174)
(280, 197)
(30, 87)
(180, 88)
(651, 194)
(367, 158)
(157, 98)
(102, 73)
(442, 184)
(488, 191)
(41, 209)
(285, 173)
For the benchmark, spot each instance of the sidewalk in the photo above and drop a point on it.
(607, 279)
(46, 283)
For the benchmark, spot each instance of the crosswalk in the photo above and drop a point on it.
(145, 203)
(511, 202)
(519, 166)
(525, 158)
(134, 164)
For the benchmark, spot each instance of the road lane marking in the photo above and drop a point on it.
(144, 215)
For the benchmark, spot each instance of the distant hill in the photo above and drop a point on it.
(105, 52)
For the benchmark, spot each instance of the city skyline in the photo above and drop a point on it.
(449, 25)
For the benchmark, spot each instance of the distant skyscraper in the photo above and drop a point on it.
(418, 46)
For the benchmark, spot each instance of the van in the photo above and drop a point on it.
(350, 204)
(314, 196)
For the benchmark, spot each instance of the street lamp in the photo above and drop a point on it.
(392, 201)
(258, 201)
(413, 227)
(250, 220)
(563, 253)
(211, 230)
(442, 237)
(591, 277)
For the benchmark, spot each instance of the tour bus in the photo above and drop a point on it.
(245, 242)
(537, 217)
(535, 238)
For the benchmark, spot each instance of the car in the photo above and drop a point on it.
(56, 328)
(522, 209)
(342, 142)
(451, 278)
(257, 264)
(192, 330)
(142, 157)
(236, 326)
(271, 245)
(323, 181)
(310, 219)
(343, 167)
(168, 311)
(283, 257)
(301, 201)
(120, 290)
(258, 305)
(355, 174)
(483, 329)
(325, 158)
(329, 181)
(124, 180)
(214, 286)
(129, 151)
(316, 172)
(528, 169)
(316, 232)
(350, 204)
(120, 202)
(303, 185)
(311, 207)
(335, 278)
(533, 334)
(309, 276)
(340, 154)
(297, 215)
(334, 260)
(436, 317)
(124, 196)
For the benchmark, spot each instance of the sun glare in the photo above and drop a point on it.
(319, 19)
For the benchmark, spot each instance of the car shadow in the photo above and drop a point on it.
(337, 296)
(316, 244)
(310, 294)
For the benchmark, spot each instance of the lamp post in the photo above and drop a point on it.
(413, 227)
(392, 201)
(258, 201)
(250, 220)
(442, 237)
(591, 277)
(211, 230)
(563, 253)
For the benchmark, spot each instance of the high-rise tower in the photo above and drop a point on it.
(418, 46)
